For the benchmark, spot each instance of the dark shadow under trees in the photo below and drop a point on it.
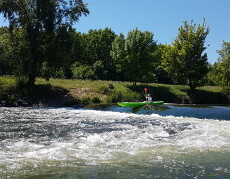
(207, 97)
(159, 93)
(37, 96)
(197, 96)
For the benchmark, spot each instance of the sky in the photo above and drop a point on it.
(161, 17)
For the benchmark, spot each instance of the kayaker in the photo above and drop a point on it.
(149, 98)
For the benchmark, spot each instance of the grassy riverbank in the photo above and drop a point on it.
(62, 92)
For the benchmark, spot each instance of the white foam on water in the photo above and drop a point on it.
(95, 137)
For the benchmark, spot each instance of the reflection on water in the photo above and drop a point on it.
(114, 143)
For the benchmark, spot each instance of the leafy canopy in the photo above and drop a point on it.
(223, 64)
(185, 59)
(39, 19)
(133, 55)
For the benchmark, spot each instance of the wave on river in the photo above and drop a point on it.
(114, 143)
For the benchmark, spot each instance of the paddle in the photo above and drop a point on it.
(146, 90)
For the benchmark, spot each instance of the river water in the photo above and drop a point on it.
(116, 142)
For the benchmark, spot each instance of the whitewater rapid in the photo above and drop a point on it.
(59, 140)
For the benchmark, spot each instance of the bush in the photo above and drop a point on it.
(86, 100)
(226, 90)
(131, 96)
(82, 71)
(114, 97)
(104, 89)
(95, 99)
(118, 96)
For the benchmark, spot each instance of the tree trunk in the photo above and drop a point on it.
(33, 34)
(33, 66)
(191, 86)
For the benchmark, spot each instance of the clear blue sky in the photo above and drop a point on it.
(161, 17)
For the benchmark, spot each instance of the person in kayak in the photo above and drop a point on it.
(149, 98)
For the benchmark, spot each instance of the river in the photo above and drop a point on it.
(115, 142)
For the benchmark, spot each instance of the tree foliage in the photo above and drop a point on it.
(96, 53)
(134, 55)
(185, 59)
(5, 63)
(59, 51)
(221, 69)
(38, 18)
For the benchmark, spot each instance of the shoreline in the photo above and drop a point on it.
(68, 93)
(60, 103)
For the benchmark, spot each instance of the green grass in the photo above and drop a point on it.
(65, 92)
(6, 82)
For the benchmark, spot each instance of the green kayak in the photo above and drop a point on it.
(138, 104)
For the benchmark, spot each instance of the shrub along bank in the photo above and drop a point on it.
(63, 92)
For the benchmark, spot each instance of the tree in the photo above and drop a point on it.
(134, 55)
(223, 65)
(14, 48)
(38, 18)
(161, 75)
(82, 71)
(118, 54)
(57, 53)
(98, 44)
(185, 59)
(5, 64)
(213, 75)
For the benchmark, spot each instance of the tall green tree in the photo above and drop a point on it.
(98, 44)
(213, 75)
(118, 54)
(57, 50)
(185, 59)
(222, 67)
(36, 17)
(161, 75)
(134, 55)
(5, 67)
(14, 47)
